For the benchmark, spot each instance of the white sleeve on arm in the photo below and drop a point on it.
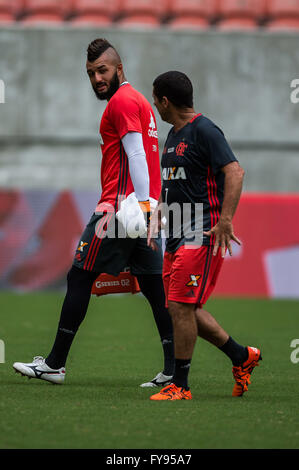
(133, 145)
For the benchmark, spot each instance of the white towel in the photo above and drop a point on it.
(131, 216)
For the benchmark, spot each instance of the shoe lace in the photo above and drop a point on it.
(158, 376)
(250, 367)
(241, 376)
(173, 390)
(38, 360)
(169, 390)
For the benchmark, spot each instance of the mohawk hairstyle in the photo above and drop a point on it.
(97, 47)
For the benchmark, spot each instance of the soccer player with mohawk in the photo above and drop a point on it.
(130, 166)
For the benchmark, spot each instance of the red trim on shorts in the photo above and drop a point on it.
(98, 244)
(94, 242)
(206, 273)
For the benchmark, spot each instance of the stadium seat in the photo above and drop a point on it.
(18, 6)
(191, 13)
(237, 24)
(142, 12)
(282, 8)
(146, 20)
(6, 18)
(188, 22)
(14, 6)
(45, 11)
(6, 12)
(283, 14)
(240, 14)
(283, 24)
(90, 20)
(97, 12)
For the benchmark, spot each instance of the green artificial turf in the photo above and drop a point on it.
(117, 348)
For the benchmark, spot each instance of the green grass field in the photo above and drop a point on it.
(101, 404)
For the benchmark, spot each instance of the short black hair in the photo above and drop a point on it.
(97, 47)
(176, 86)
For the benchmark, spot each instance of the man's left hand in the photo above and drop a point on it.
(224, 233)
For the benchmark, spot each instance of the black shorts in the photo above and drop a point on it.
(101, 250)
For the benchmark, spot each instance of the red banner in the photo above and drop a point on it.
(39, 232)
(267, 263)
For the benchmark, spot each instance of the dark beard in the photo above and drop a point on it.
(114, 86)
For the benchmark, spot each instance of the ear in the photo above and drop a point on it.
(119, 70)
(165, 102)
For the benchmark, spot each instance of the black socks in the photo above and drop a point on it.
(168, 349)
(180, 378)
(152, 288)
(79, 284)
(237, 353)
(58, 355)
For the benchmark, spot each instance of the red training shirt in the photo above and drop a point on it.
(127, 111)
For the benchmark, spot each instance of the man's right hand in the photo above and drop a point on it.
(154, 228)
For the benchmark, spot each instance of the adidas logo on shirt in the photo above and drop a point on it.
(152, 126)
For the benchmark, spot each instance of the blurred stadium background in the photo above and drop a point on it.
(242, 56)
(243, 59)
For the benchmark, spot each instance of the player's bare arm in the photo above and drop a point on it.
(223, 230)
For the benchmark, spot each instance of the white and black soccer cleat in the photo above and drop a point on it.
(38, 369)
(160, 380)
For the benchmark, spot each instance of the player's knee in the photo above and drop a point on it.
(180, 310)
(200, 313)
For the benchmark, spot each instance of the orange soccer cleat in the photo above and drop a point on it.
(172, 392)
(242, 373)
